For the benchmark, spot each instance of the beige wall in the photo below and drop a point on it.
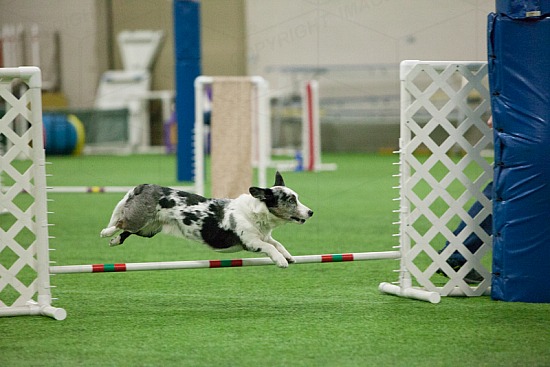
(88, 30)
(290, 32)
(245, 36)
(148, 14)
(82, 31)
(222, 35)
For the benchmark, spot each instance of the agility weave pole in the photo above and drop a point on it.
(229, 263)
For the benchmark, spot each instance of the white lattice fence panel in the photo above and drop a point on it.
(445, 106)
(24, 259)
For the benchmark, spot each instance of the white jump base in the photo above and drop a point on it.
(416, 293)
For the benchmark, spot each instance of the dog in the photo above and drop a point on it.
(225, 225)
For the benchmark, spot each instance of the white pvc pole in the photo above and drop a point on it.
(262, 120)
(420, 294)
(405, 136)
(35, 45)
(198, 134)
(104, 189)
(199, 264)
(311, 129)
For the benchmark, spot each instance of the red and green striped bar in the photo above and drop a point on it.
(335, 258)
(226, 263)
(108, 268)
(198, 264)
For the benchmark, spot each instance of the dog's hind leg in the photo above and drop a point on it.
(114, 224)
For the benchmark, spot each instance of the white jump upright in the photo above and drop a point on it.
(442, 172)
(25, 281)
(260, 127)
(309, 155)
(311, 129)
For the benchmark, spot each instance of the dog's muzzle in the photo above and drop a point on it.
(303, 220)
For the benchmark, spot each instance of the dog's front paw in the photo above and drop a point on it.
(286, 254)
(280, 261)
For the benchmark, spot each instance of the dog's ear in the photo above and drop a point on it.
(259, 193)
(279, 179)
(264, 195)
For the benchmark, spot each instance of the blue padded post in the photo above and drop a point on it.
(519, 77)
(188, 58)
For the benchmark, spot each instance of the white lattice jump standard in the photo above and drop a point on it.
(25, 281)
(444, 108)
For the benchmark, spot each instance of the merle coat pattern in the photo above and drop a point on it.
(227, 225)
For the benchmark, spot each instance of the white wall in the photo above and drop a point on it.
(82, 29)
(319, 32)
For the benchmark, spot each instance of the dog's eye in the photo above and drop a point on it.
(293, 200)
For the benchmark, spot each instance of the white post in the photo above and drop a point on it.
(311, 129)
(35, 45)
(263, 141)
(405, 279)
(198, 133)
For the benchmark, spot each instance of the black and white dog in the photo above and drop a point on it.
(226, 225)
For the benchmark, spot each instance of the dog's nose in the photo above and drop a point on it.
(310, 213)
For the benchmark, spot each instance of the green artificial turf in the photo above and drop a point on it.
(306, 315)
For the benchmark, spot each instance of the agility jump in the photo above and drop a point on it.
(35, 298)
(30, 144)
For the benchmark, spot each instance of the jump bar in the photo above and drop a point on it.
(103, 189)
(199, 264)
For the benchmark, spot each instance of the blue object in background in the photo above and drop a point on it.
(519, 78)
(63, 134)
(188, 54)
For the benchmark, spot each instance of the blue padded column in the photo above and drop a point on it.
(188, 58)
(519, 77)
